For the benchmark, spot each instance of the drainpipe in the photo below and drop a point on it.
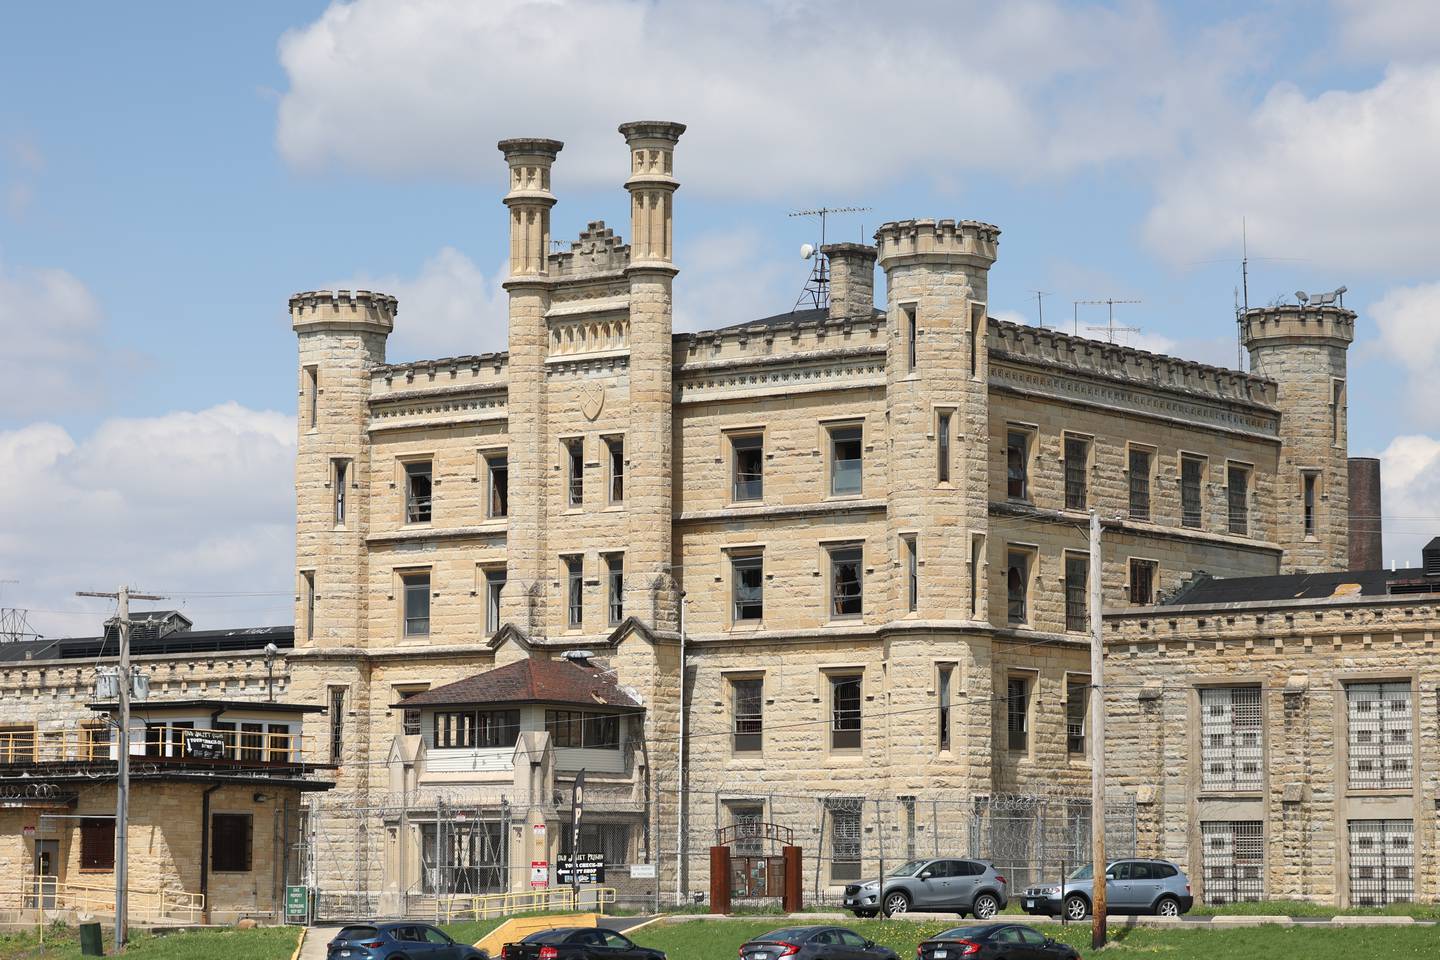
(680, 858)
(205, 848)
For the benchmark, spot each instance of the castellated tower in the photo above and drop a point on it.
(652, 187)
(1302, 348)
(342, 336)
(936, 274)
(529, 201)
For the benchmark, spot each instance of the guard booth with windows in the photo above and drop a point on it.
(754, 860)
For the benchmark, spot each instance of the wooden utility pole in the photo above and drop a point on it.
(122, 753)
(1097, 740)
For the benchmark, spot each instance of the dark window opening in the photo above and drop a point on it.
(615, 580)
(1017, 465)
(1077, 457)
(417, 604)
(230, 842)
(846, 582)
(574, 592)
(748, 459)
(97, 843)
(846, 458)
(1191, 471)
(1017, 713)
(476, 729)
(1139, 484)
(616, 448)
(1077, 589)
(1017, 586)
(845, 712)
(747, 576)
(1237, 497)
(1142, 582)
(575, 458)
(494, 587)
(942, 447)
(417, 492)
(498, 468)
(942, 696)
(747, 706)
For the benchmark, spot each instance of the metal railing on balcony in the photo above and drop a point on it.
(160, 744)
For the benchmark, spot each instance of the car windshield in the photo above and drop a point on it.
(356, 933)
(1082, 874)
(786, 935)
(963, 933)
(908, 869)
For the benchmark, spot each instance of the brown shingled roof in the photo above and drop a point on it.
(529, 681)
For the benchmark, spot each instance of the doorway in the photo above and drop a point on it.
(47, 869)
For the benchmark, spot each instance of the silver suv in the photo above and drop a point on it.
(1131, 886)
(932, 886)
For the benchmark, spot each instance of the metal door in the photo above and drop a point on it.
(47, 873)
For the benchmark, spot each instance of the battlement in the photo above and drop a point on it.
(937, 239)
(1023, 343)
(1295, 323)
(352, 308)
(599, 250)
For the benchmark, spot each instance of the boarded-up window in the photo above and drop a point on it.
(230, 842)
(97, 843)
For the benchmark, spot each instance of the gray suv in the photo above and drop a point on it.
(933, 886)
(1131, 886)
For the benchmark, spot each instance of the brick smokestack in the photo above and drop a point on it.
(1366, 546)
(852, 280)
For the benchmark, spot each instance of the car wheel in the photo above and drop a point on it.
(1168, 907)
(896, 904)
(986, 906)
(1075, 907)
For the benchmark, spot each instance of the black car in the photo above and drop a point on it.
(994, 941)
(578, 943)
(814, 943)
(401, 940)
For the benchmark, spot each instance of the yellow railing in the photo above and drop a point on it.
(145, 903)
(94, 743)
(490, 905)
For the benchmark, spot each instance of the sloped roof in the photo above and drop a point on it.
(531, 680)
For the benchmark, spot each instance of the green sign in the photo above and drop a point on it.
(297, 902)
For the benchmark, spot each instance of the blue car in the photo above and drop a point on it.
(401, 940)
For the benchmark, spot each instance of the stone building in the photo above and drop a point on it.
(1282, 733)
(867, 524)
(218, 769)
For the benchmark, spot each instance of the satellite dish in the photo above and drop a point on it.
(807, 250)
(1302, 296)
(1342, 289)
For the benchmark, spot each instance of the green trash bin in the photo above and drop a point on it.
(92, 943)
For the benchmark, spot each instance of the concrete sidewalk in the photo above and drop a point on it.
(1221, 922)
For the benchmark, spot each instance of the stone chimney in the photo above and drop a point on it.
(852, 280)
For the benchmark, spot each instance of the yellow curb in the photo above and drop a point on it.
(299, 943)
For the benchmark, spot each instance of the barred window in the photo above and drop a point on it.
(942, 446)
(1017, 713)
(1139, 484)
(1017, 586)
(1309, 483)
(845, 712)
(97, 843)
(942, 696)
(1142, 582)
(615, 590)
(340, 470)
(748, 712)
(1380, 731)
(615, 446)
(574, 591)
(337, 724)
(1077, 457)
(749, 840)
(1233, 858)
(1192, 470)
(1382, 862)
(1017, 465)
(1237, 495)
(844, 813)
(1077, 703)
(1231, 748)
(1077, 588)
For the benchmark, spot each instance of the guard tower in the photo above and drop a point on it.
(1302, 347)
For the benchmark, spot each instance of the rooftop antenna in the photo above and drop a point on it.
(14, 622)
(817, 288)
(1040, 304)
(1110, 329)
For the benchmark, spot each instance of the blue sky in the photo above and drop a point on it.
(170, 174)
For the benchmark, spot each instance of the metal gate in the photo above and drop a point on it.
(1233, 857)
(1382, 862)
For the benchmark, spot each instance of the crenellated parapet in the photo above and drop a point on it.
(968, 241)
(1297, 323)
(598, 250)
(1025, 344)
(359, 309)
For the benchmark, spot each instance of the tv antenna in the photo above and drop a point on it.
(1040, 304)
(817, 288)
(14, 622)
(1109, 329)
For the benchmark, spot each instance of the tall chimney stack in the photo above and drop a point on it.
(852, 280)
(1366, 542)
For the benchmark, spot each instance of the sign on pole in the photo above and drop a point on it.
(578, 868)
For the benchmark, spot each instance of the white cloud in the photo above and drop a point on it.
(1345, 179)
(186, 502)
(1403, 29)
(1410, 492)
(1408, 320)
(783, 97)
(450, 308)
(50, 325)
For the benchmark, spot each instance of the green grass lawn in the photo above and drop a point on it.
(1300, 908)
(62, 943)
(719, 940)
